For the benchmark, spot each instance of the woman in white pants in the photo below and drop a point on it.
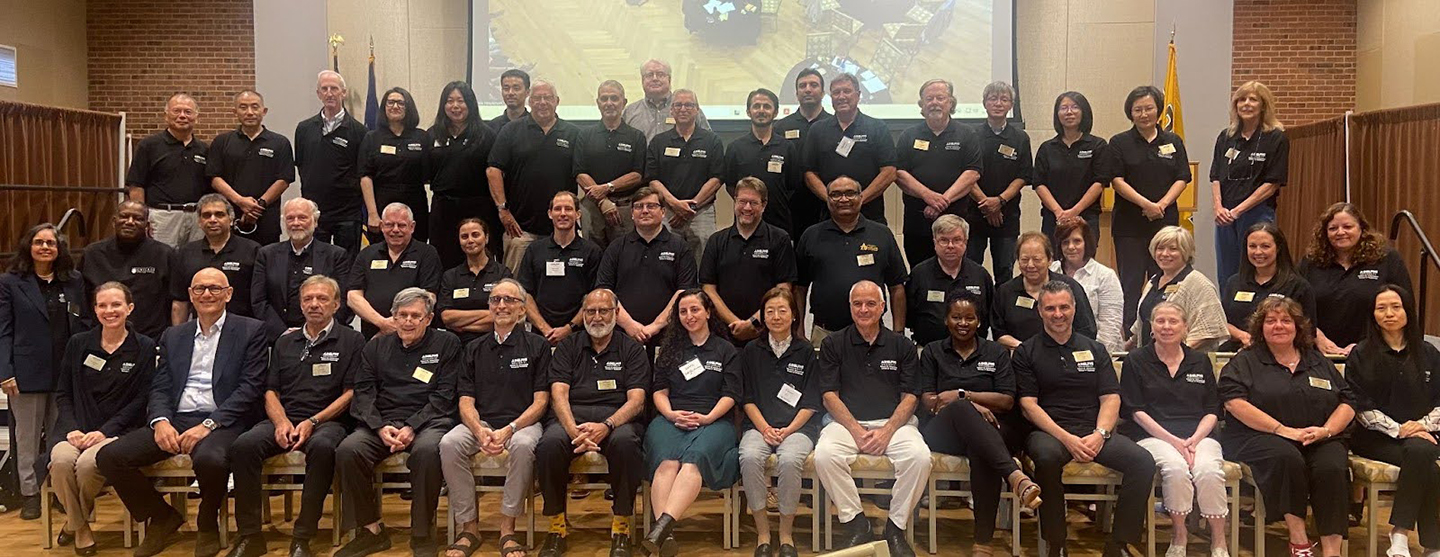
(1168, 393)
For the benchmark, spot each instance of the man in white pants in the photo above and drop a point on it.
(507, 372)
(870, 378)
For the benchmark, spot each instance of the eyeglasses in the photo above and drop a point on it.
(591, 312)
(203, 289)
(749, 203)
(685, 106)
(42, 243)
(654, 75)
(497, 300)
(844, 194)
(394, 102)
(408, 317)
(646, 206)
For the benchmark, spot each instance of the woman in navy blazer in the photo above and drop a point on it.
(40, 299)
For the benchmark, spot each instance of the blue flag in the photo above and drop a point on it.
(372, 105)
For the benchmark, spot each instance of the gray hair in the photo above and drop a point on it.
(330, 73)
(847, 76)
(542, 83)
(211, 199)
(996, 88)
(310, 205)
(524, 295)
(398, 206)
(949, 90)
(949, 223)
(678, 92)
(661, 63)
(411, 295)
(864, 284)
(610, 83)
(325, 281)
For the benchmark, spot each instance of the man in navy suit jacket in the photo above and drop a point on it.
(205, 393)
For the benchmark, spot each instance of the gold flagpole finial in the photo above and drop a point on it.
(1172, 31)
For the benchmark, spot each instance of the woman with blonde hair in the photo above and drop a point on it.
(1173, 249)
(1246, 173)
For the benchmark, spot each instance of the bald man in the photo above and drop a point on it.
(205, 393)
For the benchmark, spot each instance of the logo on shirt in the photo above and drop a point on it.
(340, 141)
(667, 256)
(760, 254)
(430, 359)
(577, 262)
(795, 369)
(127, 366)
(889, 365)
(488, 287)
(409, 264)
(614, 366)
(712, 365)
(987, 367)
(200, 159)
(1085, 154)
(1369, 274)
(624, 147)
(1257, 157)
(952, 146)
(1195, 378)
(266, 152)
(1087, 366)
(562, 143)
(142, 270)
(415, 147)
(519, 363)
(860, 138)
(307, 270)
(230, 266)
(973, 289)
(698, 154)
(329, 356)
(869, 247)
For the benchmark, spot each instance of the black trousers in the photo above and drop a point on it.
(1417, 494)
(1119, 454)
(355, 460)
(919, 241)
(960, 430)
(120, 463)
(267, 230)
(623, 450)
(1134, 264)
(344, 233)
(446, 212)
(1292, 477)
(248, 455)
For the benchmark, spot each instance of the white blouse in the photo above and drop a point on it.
(1102, 286)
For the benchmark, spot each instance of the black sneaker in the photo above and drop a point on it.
(366, 543)
(423, 547)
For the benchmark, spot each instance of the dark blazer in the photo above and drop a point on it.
(239, 374)
(26, 350)
(272, 268)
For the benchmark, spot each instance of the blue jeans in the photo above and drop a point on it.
(1230, 241)
(1002, 252)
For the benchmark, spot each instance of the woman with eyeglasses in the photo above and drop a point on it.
(394, 165)
(464, 301)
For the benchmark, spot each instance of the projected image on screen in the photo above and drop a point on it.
(723, 49)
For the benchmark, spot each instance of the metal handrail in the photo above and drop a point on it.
(61, 189)
(1427, 251)
(79, 221)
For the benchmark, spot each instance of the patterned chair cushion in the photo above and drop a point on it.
(589, 463)
(1373, 471)
(394, 464)
(286, 459)
(949, 464)
(1233, 471)
(774, 460)
(483, 463)
(1088, 470)
(871, 463)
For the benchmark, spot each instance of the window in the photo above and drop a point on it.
(8, 74)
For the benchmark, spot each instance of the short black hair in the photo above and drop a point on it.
(1141, 92)
(809, 72)
(516, 72)
(412, 114)
(774, 99)
(1087, 117)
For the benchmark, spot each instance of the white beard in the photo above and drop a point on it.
(600, 330)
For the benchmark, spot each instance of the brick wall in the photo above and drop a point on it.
(143, 51)
(1304, 50)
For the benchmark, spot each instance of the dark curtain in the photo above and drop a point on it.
(1317, 179)
(47, 146)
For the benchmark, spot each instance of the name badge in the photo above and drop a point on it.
(409, 264)
(699, 154)
(844, 147)
(666, 256)
(605, 385)
(669, 120)
(760, 254)
(795, 369)
(775, 167)
(230, 266)
(1320, 383)
(865, 259)
(792, 134)
(934, 295)
(1006, 151)
(142, 270)
(672, 151)
(922, 145)
(1025, 302)
(422, 374)
(430, 359)
(379, 265)
(1082, 356)
(1171, 288)
(460, 293)
(340, 141)
(624, 147)
(519, 363)
(1231, 153)
(415, 147)
(1369, 274)
(692, 368)
(1086, 154)
(1244, 296)
(1167, 149)
(554, 268)
(562, 143)
(322, 370)
(94, 362)
(789, 395)
(1195, 378)
(266, 152)
(387, 149)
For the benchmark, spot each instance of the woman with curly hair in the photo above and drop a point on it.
(1347, 262)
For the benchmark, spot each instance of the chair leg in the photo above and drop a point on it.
(450, 524)
(129, 526)
(1234, 491)
(728, 518)
(530, 511)
(225, 521)
(1015, 526)
(829, 534)
(1259, 523)
(289, 506)
(336, 516)
(1150, 519)
(47, 528)
(931, 487)
(815, 503)
(1372, 494)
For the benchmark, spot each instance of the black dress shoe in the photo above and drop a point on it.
(895, 539)
(366, 542)
(660, 542)
(788, 550)
(1117, 549)
(619, 545)
(248, 546)
(300, 548)
(763, 550)
(856, 532)
(31, 510)
(157, 533)
(64, 539)
(207, 543)
(553, 546)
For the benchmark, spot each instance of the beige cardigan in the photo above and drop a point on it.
(1204, 313)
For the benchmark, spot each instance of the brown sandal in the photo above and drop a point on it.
(510, 544)
(1027, 493)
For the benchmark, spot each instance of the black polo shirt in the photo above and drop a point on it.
(329, 165)
(928, 288)
(103, 391)
(308, 378)
(380, 278)
(536, 165)
(172, 173)
(713, 369)
(407, 386)
(1007, 158)
(1067, 379)
(1242, 296)
(871, 378)
(250, 166)
(236, 259)
(1068, 171)
(1156, 294)
(766, 378)
(463, 290)
(1013, 312)
(743, 269)
(146, 268)
(645, 274)
(795, 127)
(457, 163)
(396, 163)
(503, 377)
(1305, 398)
(1150, 167)
(986, 370)
(869, 149)
(607, 154)
(1345, 298)
(1177, 402)
(829, 261)
(559, 277)
(600, 378)
(777, 163)
(498, 122)
(1242, 165)
(685, 165)
(1385, 379)
(937, 161)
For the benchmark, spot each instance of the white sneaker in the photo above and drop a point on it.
(1219, 552)
(1399, 545)
(1175, 551)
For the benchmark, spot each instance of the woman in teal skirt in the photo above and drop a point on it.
(691, 442)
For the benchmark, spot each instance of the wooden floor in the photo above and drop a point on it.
(699, 535)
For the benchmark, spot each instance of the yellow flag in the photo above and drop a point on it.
(1172, 119)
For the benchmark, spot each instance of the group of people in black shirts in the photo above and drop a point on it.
(544, 321)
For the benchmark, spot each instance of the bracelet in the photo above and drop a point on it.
(1278, 425)
(608, 424)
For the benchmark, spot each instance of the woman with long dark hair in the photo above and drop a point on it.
(393, 164)
(1267, 270)
(1347, 262)
(457, 173)
(1397, 402)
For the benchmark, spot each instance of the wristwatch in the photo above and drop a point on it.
(313, 421)
(609, 425)
(1104, 433)
(501, 207)
(209, 424)
(964, 394)
(574, 327)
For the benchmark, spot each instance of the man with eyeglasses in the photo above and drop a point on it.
(766, 155)
(307, 391)
(840, 251)
(608, 165)
(530, 161)
(404, 398)
(559, 270)
(651, 114)
(647, 269)
(282, 267)
(233, 255)
(514, 91)
(598, 383)
(252, 167)
(851, 144)
(142, 264)
(327, 153)
(743, 262)
(384, 269)
(685, 165)
(206, 389)
(933, 280)
(167, 172)
(937, 164)
(504, 390)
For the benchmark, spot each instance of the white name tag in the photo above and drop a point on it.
(775, 167)
(1027, 303)
(554, 268)
(94, 362)
(1320, 383)
(789, 395)
(387, 149)
(340, 141)
(692, 368)
(379, 265)
(792, 134)
(322, 370)
(865, 259)
(605, 385)
(461, 293)
(922, 145)
(844, 147)
(1006, 151)
(934, 295)
(1083, 356)
(422, 374)
(672, 151)
(1167, 149)
(1244, 296)
(1231, 153)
